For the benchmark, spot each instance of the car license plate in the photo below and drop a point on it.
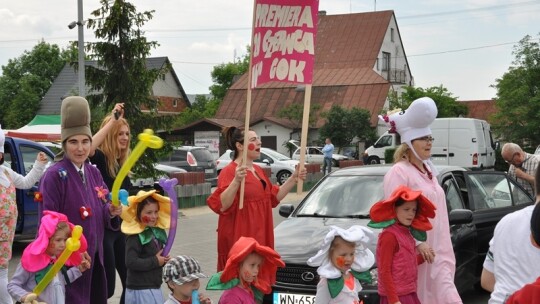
(289, 298)
(209, 171)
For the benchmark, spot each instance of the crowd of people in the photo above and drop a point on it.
(414, 256)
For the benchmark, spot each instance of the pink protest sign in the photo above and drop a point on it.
(283, 42)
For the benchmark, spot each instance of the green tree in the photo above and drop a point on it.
(518, 96)
(121, 74)
(223, 75)
(343, 126)
(26, 80)
(447, 105)
(203, 107)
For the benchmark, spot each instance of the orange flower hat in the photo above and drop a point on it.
(238, 253)
(383, 213)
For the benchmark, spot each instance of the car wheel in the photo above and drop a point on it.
(335, 163)
(373, 160)
(282, 176)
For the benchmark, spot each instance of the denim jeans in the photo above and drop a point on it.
(327, 163)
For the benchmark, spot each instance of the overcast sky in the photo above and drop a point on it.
(463, 45)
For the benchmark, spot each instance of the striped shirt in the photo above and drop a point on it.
(529, 165)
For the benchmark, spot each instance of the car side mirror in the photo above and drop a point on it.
(460, 216)
(267, 162)
(286, 209)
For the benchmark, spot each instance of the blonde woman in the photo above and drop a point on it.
(414, 169)
(110, 149)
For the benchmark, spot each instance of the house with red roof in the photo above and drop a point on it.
(359, 60)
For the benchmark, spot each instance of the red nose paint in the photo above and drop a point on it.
(251, 147)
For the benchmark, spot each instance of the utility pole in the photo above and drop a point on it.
(80, 23)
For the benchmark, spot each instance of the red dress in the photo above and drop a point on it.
(253, 220)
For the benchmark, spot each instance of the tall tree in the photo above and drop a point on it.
(25, 81)
(447, 105)
(343, 126)
(223, 75)
(121, 74)
(518, 96)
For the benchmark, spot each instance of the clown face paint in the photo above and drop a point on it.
(149, 214)
(249, 269)
(57, 243)
(342, 254)
(251, 146)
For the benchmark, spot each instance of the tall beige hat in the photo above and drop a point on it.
(75, 115)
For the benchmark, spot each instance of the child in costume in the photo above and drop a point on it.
(404, 217)
(530, 293)
(182, 274)
(144, 221)
(343, 261)
(39, 256)
(244, 277)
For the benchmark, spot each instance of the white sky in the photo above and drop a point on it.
(463, 45)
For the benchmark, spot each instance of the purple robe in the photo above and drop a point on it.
(64, 191)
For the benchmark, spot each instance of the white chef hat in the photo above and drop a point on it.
(413, 123)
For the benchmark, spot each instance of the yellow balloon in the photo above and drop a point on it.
(146, 139)
(72, 244)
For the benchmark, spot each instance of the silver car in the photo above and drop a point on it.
(281, 166)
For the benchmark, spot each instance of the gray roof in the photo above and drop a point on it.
(67, 84)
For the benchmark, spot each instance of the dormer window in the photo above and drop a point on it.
(175, 103)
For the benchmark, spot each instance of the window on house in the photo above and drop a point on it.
(386, 61)
(392, 34)
(175, 103)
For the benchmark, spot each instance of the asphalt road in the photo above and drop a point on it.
(196, 236)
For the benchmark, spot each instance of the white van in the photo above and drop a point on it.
(464, 142)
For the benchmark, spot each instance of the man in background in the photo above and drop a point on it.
(327, 150)
(522, 166)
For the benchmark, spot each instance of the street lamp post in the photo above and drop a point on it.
(80, 46)
(80, 23)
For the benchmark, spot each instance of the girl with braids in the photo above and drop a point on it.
(260, 196)
(109, 151)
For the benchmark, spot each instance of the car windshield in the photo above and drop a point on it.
(275, 154)
(343, 196)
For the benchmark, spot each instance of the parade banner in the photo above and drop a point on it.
(283, 42)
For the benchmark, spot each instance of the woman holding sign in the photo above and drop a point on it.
(109, 151)
(254, 219)
(75, 188)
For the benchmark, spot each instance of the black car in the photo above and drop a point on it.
(476, 201)
(193, 159)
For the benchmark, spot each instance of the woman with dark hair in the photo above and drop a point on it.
(109, 151)
(260, 196)
(74, 187)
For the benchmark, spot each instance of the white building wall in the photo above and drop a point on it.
(266, 128)
(166, 87)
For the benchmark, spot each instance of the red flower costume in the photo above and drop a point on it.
(396, 256)
(229, 277)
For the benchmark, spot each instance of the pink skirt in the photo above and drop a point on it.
(411, 298)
